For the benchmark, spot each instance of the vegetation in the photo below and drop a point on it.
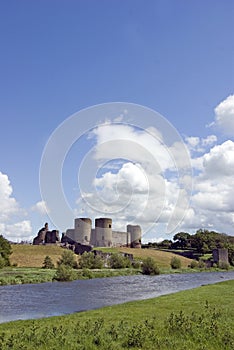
(175, 263)
(149, 267)
(28, 255)
(5, 252)
(90, 261)
(48, 263)
(68, 259)
(184, 320)
(118, 261)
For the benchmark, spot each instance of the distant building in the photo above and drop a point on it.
(103, 235)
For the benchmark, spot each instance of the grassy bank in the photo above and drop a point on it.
(27, 255)
(201, 318)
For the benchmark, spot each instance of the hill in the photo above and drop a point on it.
(27, 255)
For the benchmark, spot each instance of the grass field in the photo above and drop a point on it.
(198, 319)
(26, 255)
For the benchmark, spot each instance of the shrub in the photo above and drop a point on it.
(117, 261)
(136, 264)
(48, 263)
(223, 265)
(175, 263)
(90, 261)
(64, 273)
(149, 267)
(68, 258)
(194, 264)
(5, 250)
(201, 264)
(2, 262)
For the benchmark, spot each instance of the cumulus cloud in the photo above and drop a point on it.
(224, 115)
(10, 226)
(212, 203)
(41, 208)
(17, 232)
(8, 204)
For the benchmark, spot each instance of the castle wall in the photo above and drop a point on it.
(71, 233)
(103, 228)
(102, 235)
(119, 238)
(135, 235)
(83, 228)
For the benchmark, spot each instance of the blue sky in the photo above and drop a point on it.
(59, 57)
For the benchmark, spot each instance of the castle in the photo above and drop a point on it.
(103, 235)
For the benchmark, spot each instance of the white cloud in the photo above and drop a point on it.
(17, 232)
(224, 115)
(8, 204)
(41, 208)
(11, 227)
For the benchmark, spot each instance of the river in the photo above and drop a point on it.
(31, 301)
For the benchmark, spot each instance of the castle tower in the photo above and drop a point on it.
(103, 231)
(82, 230)
(135, 235)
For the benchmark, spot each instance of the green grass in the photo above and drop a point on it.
(198, 319)
(20, 275)
(27, 255)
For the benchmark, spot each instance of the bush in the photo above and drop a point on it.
(48, 263)
(5, 250)
(194, 264)
(90, 261)
(201, 264)
(68, 258)
(223, 265)
(136, 264)
(117, 261)
(64, 273)
(2, 262)
(175, 263)
(149, 267)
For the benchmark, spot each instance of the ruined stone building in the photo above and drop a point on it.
(45, 236)
(103, 235)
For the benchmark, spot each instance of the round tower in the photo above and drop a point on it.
(135, 235)
(103, 231)
(82, 230)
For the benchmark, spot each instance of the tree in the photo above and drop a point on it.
(175, 263)
(89, 261)
(64, 273)
(48, 263)
(182, 240)
(5, 251)
(68, 258)
(149, 267)
(117, 261)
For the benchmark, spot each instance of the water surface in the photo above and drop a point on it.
(29, 301)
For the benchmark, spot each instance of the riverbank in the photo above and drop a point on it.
(201, 318)
(23, 275)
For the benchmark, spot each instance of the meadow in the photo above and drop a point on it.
(202, 318)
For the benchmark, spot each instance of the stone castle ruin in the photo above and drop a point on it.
(45, 236)
(103, 235)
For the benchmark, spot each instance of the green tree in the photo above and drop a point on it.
(68, 258)
(117, 261)
(48, 263)
(5, 251)
(64, 273)
(175, 263)
(149, 267)
(182, 240)
(90, 261)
